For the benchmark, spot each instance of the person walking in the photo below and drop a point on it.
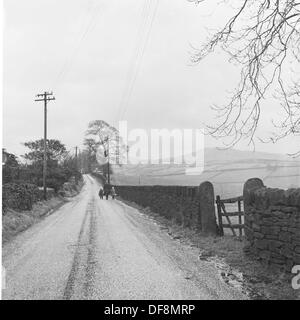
(113, 192)
(101, 193)
(107, 190)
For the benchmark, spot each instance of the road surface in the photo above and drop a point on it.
(99, 249)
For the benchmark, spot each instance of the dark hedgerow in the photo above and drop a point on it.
(19, 196)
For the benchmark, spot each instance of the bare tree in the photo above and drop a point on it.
(108, 138)
(262, 36)
(290, 125)
(90, 153)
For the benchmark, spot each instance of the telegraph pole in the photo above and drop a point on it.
(127, 152)
(76, 158)
(76, 155)
(108, 173)
(46, 96)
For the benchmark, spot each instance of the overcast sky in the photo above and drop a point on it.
(91, 53)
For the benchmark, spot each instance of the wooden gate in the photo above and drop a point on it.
(222, 212)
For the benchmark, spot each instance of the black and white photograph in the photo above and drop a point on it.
(150, 152)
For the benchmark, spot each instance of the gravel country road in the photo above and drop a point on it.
(98, 249)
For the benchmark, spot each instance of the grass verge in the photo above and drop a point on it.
(15, 222)
(258, 281)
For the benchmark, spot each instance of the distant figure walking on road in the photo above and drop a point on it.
(107, 190)
(113, 192)
(101, 193)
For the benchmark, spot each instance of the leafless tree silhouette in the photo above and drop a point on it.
(262, 36)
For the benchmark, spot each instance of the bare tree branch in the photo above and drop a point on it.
(262, 37)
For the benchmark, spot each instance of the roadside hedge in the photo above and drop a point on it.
(19, 196)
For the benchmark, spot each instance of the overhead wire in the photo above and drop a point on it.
(148, 16)
(135, 52)
(140, 59)
(96, 10)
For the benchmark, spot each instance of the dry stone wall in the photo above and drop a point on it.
(190, 206)
(172, 202)
(272, 224)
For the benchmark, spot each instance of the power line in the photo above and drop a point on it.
(66, 61)
(134, 56)
(140, 61)
(69, 60)
(148, 16)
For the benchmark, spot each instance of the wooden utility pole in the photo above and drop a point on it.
(76, 155)
(108, 173)
(76, 158)
(46, 96)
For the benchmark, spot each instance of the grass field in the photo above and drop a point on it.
(228, 170)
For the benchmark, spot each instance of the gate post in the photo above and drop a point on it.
(207, 208)
(221, 230)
